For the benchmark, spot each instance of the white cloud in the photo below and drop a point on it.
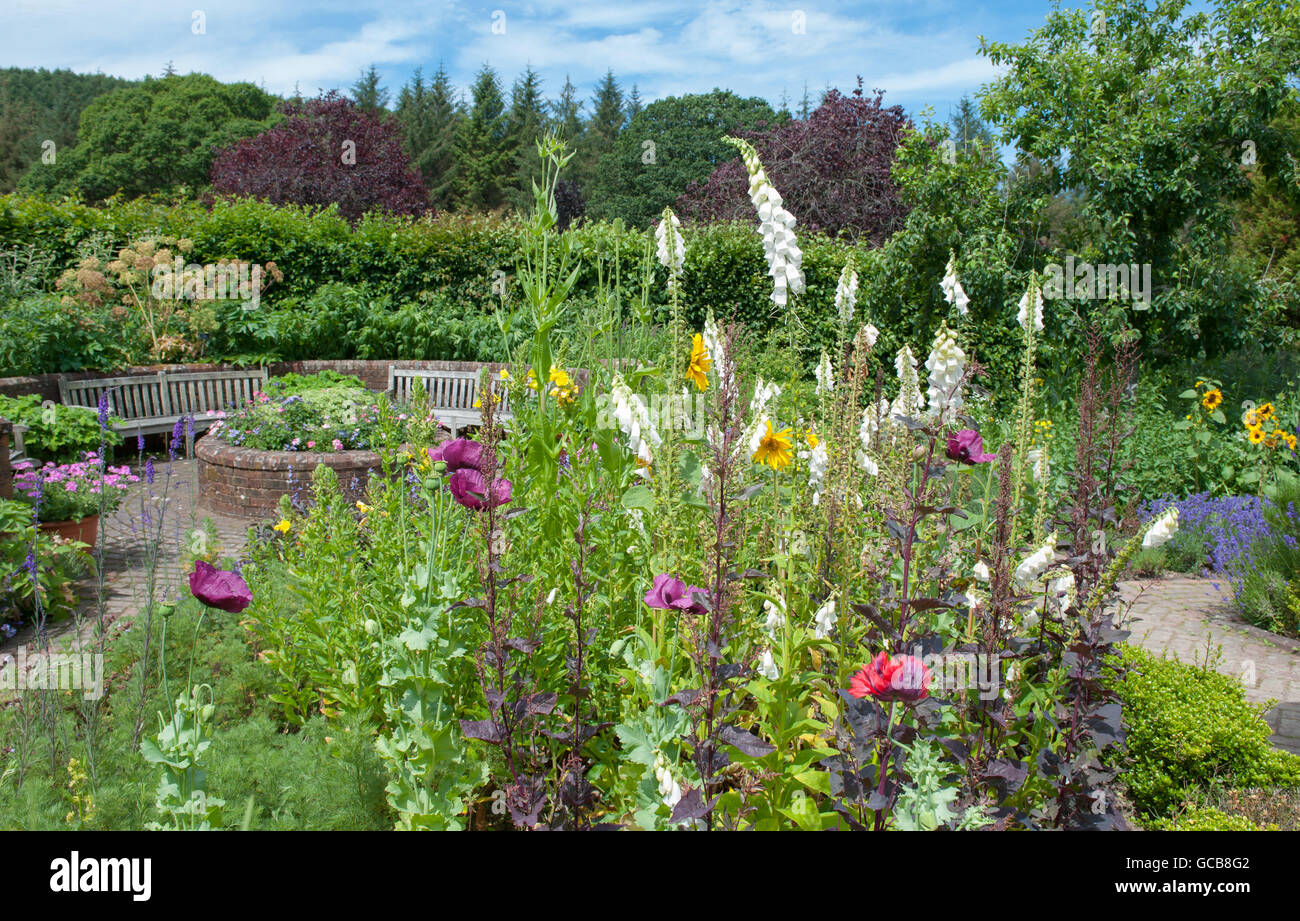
(925, 53)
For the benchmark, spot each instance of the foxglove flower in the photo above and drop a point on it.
(952, 290)
(846, 293)
(825, 619)
(764, 394)
(633, 419)
(873, 419)
(1023, 317)
(1165, 527)
(776, 224)
(947, 366)
(767, 666)
(670, 247)
(868, 335)
(1033, 566)
(775, 611)
(825, 375)
(819, 463)
(1039, 464)
(903, 678)
(909, 401)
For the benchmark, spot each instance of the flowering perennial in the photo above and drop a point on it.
(784, 258)
(670, 247)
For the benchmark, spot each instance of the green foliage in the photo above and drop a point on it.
(1202, 818)
(42, 334)
(155, 136)
(636, 181)
(1146, 103)
(57, 433)
(39, 105)
(319, 776)
(59, 565)
(1191, 727)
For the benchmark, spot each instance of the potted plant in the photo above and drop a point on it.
(69, 498)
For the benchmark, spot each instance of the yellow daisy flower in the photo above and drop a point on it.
(698, 368)
(775, 449)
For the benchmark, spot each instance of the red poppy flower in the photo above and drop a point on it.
(902, 678)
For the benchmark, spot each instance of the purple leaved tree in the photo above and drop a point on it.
(325, 151)
(833, 169)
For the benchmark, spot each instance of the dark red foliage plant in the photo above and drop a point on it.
(325, 151)
(832, 169)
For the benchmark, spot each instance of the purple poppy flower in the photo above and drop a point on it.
(967, 447)
(672, 594)
(219, 589)
(460, 454)
(467, 488)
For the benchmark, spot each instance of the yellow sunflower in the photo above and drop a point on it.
(775, 449)
(699, 365)
(1212, 399)
(1290, 442)
(1267, 412)
(1254, 434)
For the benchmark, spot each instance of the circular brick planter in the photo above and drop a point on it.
(249, 483)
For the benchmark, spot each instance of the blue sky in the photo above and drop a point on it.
(921, 52)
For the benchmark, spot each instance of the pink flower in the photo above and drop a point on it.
(967, 447)
(467, 488)
(459, 454)
(669, 593)
(338, 445)
(311, 444)
(218, 588)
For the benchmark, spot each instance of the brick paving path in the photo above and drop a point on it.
(1191, 620)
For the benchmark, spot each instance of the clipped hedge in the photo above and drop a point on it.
(1192, 728)
(449, 262)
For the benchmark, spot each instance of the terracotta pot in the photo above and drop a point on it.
(86, 530)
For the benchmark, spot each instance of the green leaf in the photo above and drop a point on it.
(639, 496)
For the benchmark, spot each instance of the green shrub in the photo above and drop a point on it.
(1203, 818)
(1191, 727)
(40, 334)
(57, 433)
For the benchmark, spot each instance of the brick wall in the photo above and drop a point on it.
(248, 483)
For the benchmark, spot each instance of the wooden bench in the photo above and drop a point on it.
(151, 403)
(452, 394)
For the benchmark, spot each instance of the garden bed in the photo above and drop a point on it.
(249, 483)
